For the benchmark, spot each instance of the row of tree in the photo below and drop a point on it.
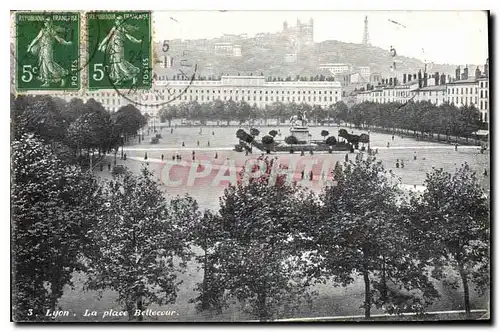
(242, 111)
(418, 117)
(77, 125)
(128, 237)
(422, 117)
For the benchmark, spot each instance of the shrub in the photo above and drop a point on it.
(331, 141)
(267, 139)
(254, 132)
(273, 133)
(291, 140)
(325, 133)
(240, 133)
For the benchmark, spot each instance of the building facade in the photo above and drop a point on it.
(437, 89)
(463, 92)
(251, 89)
(483, 98)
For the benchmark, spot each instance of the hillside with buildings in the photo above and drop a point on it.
(290, 52)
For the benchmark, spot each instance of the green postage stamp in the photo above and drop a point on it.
(47, 51)
(119, 50)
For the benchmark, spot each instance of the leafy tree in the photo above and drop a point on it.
(206, 234)
(42, 118)
(341, 110)
(358, 231)
(257, 260)
(54, 209)
(140, 236)
(325, 133)
(128, 120)
(73, 110)
(451, 219)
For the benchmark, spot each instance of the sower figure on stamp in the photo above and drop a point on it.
(43, 46)
(113, 45)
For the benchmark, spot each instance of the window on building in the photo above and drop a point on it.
(461, 100)
(267, 98)
(309, 98)
(486, 94)
(485, 105)
(481, 103)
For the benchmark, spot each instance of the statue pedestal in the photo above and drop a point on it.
(301, 133)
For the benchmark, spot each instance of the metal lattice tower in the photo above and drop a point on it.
(366, 36)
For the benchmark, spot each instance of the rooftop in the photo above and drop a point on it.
(467, 81)
(433, 88)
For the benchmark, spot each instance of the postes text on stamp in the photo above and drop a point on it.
(122, 59)
(47, 51)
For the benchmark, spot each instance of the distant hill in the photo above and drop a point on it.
(267, 56)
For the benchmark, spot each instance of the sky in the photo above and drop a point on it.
(453, 37)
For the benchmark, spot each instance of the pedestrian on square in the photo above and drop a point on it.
(311, 152)
(213, 133)
(246, 153)
(485, 172)
(173, 157)
(145, 156)
(183, 144)
(162, 157)
(388, 144)
(456, 147)
(109, 166)
(125, 156)
(216, 155)
(397, 163)
(311, 175)
(346, 157)
(402, 164)
(302, 153)
(414, 155)
(193, 153)
(171, 130)
(209, 143)
(393, 137)
(197, 143)
(193, 157)
(302, 174)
